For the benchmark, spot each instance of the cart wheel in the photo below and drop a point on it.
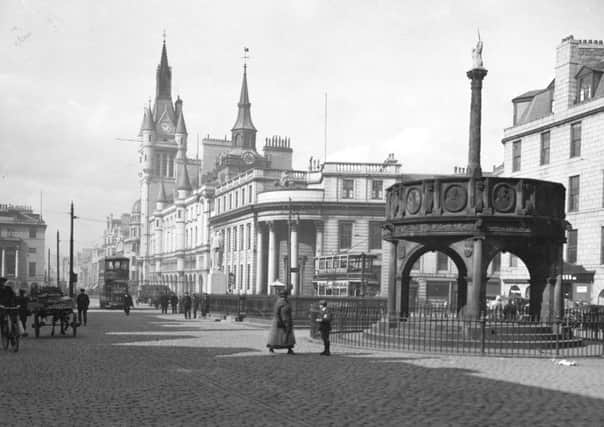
(37, 325)
(15, 341)
(74, 325)
(4, 333)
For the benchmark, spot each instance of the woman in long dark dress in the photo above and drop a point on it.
(281, 334)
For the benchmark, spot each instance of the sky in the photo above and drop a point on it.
(76, 74)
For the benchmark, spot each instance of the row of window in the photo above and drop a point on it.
(545, 149)
(234, 199)
(377, 189)
(232, 244)
(237, 280)
(345, 235)
(163, 165)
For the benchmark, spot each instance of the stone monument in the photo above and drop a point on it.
(471, 219)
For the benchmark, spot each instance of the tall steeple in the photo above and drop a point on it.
(163, 110)
(243, 133)
(163, 76)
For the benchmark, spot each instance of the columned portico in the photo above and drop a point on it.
(272, 255)
(260, 288)
(294, 258)
(319, 238)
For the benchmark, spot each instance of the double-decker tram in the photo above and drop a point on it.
(115, 282)
(346, 275)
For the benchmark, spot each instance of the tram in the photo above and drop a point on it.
(346, 275)
(115, 282)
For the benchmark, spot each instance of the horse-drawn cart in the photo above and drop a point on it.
(49, 307)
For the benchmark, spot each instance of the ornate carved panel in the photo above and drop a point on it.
(414, 200)
(504, 198)
(455, 198)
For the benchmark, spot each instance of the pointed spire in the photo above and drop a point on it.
(244, 117)
(182, 176)
(161, 197)
(164, 76)
(180, 118)
(147, 123)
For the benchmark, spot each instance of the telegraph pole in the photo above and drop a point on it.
(58, 265)
(48, 280)
(289, 246)
(71, 273)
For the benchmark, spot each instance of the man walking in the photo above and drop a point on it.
(186, 303)
(196, 302)
(82, 302)
(324, 321)
(174, 303)
(127, 303)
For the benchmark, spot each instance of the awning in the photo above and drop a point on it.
(576, 273)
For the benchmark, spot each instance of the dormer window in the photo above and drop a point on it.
(588, 79)
(585, 88)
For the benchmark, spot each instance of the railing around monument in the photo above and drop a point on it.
(499, 332)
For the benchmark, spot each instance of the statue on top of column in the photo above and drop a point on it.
(477, 54)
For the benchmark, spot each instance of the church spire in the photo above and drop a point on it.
(163, 76)
(243, 131)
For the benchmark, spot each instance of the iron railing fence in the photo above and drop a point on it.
(262, 306)
(445, 332)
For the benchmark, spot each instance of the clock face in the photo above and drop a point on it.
(166, 127)
(248, 157)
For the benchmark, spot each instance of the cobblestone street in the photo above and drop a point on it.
(152, 369)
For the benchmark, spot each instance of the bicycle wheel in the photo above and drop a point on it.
(4, 334)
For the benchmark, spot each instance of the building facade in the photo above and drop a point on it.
(22, 246)
(241, 220)
(557, 136)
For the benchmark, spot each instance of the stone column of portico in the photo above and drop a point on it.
(472, 309)
(4, 259)
(260, 288)
(319, 238)
(392, 315)
(294, 257)
(272, 247)
(16, 263)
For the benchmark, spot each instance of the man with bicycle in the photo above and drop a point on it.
(7, 295)
(8, 299)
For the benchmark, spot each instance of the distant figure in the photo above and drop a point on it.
(196, 304)
(164, 302)
(82, 302)
(205, 305)
(281, 334)
(127, 303)
(174, 303)
(187, 302)
(324, 321)
(22, 301)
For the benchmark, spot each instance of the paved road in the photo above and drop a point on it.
(152, 369)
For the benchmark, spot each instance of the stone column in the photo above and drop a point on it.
(405, 283)
(16, 263)
(260, 287)
(472, 310)
(272, 255)
(4, 263)
(293, 262)
(319, 238)
(392, 315)
(547, 299)
(476, 75)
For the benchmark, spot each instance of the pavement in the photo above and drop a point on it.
(162, 370)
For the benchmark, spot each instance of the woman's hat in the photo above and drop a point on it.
(323, 302)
